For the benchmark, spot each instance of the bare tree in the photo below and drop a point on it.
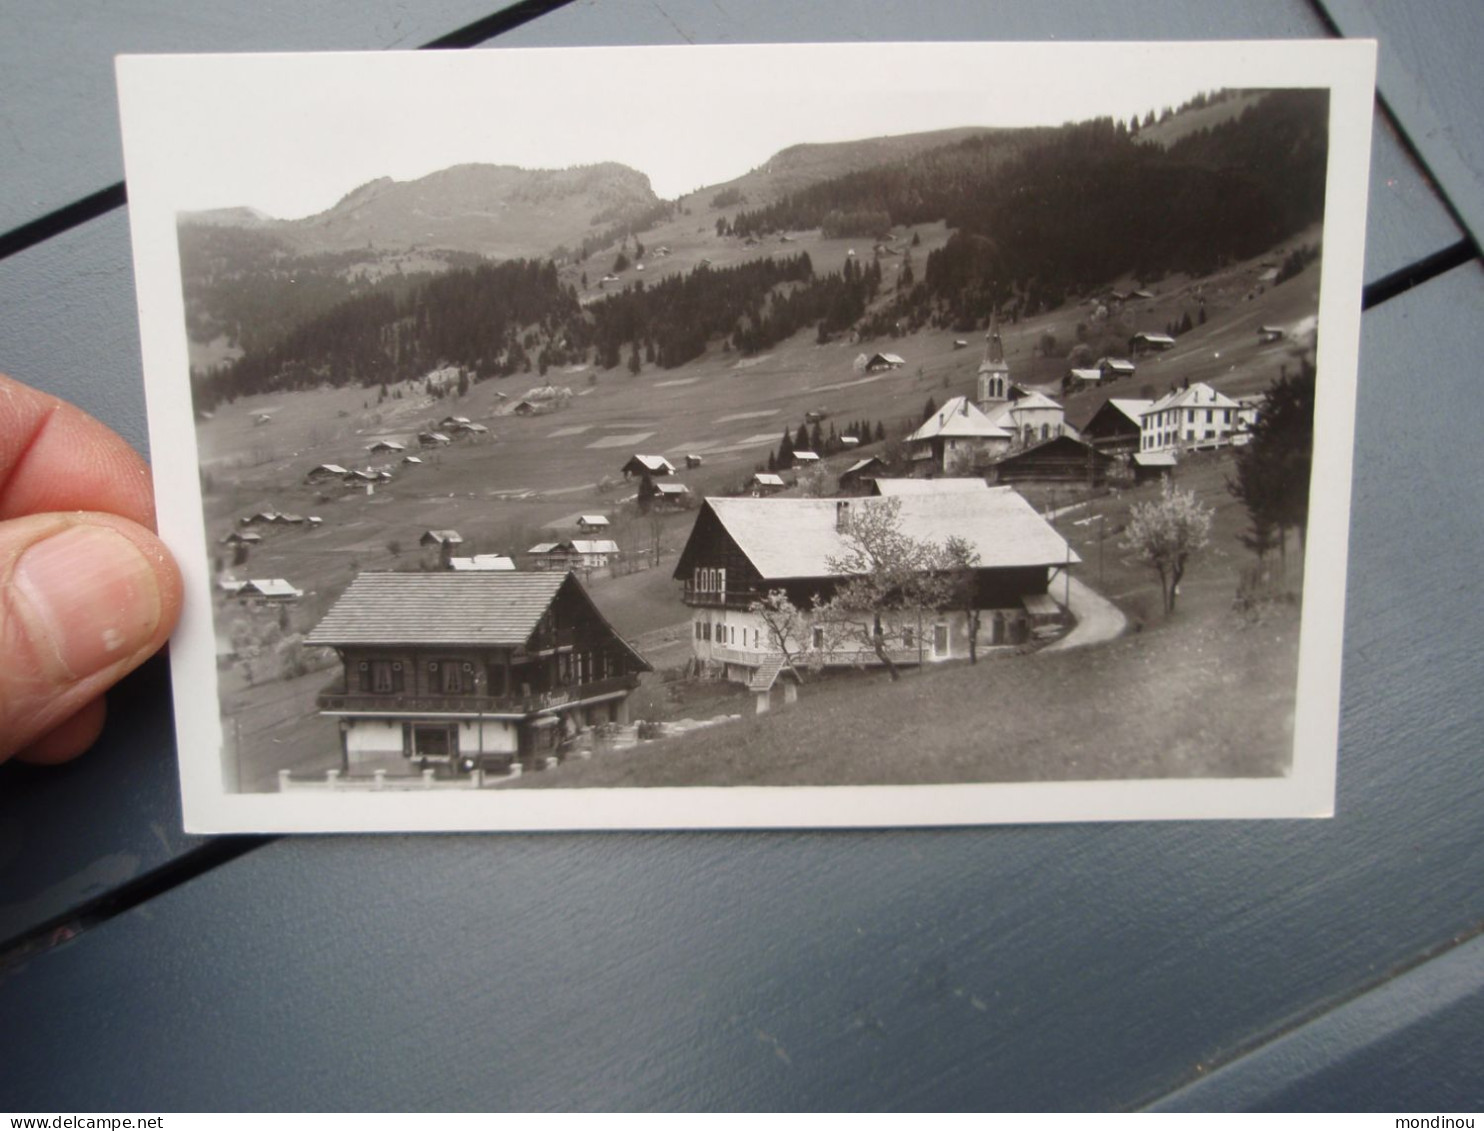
(785, 623)
(960, 584)
(890, 580)
(1166, 534)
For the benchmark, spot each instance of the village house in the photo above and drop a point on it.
(670, 496)
(1113, 368)
(577, 553)
(268, 591)
(592, 523)
(1194, 417)
(860, 477)
(1147, 341)
(647, 465)
(741, 549)
(469, 670)
(955, 440)
(1060, 459)
(765, 483)
(325, 472)
(438, 547)
(482, 562)
(1117, 425)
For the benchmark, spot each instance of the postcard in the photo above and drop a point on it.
(753, 436)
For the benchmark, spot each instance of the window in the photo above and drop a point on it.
(698, 630)
(816, 637)
(450, 676)
(1226, 416)
(909, 640)
(382, 677)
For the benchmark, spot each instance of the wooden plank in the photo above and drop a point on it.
(1428, 75)
(1379, 1052)
(61, 139)
(67, 324)
(957, 969)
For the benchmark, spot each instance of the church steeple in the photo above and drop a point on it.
(994, 373)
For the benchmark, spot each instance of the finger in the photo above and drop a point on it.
(69, 739)
(54, 457)
(84, 599)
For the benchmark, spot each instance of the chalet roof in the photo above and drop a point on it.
(1033, 399)
(482, 607)
(1119, 364)
(672, 488)
(433, 438)
(439, 537)
(1155, 459)
(805, 455)
(1088, 374)
(885, 359)
(958, 417)
(769, 479)
(1152, 336)
(593, 519)
(386, 446)
(482, 562)
(899, 487)
(547, 547)
(595, 546)
(328, 469)
(862, 464)
(243, 536)
(1130, 407)
(655, 463)
(1199, 395)
(270, 587)
(456, 607)
(795, 538)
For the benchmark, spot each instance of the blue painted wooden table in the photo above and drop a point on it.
(1260, 965)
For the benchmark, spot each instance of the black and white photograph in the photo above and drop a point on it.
(759, 436)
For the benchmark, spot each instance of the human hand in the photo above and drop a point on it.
(87, 591)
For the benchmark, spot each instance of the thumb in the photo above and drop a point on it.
(84, 599)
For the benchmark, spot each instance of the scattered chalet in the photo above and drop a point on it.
(433, 440)
(592, 523)
(880, 362)
(1146, 341)
(1112, 368)
(765, 483)
(740, 549)
(577, 553)
(386, 446)
(675, 495)
(647, 465)
(325, 472)
(269, 590)
(439, 545)
(859, 476)
(1194, 417)
(482, 562)
(469, 670)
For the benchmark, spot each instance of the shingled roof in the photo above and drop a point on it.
(795, 538)
(464, 608)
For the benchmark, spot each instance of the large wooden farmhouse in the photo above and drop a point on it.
(741, 549)
(469, 670)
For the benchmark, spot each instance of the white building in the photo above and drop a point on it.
(1197, 417)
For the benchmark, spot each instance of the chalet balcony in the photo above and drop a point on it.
(731, 599)
(336, 699)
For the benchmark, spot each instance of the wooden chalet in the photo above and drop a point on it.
(433, 440)
(879, 362)
(1147, 341)
(268, 590)
(741, 549)
(592, 523)
(326, 472)
(647, 465)
(1152, 465)
(861, 475)
(469, 670)
(1117, 425)
(1058, 460)
(386, 446)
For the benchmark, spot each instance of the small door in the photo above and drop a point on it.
(940, 641)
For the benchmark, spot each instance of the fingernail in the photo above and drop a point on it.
(91, 595)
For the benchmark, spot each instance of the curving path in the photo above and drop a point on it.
(1098, 619)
